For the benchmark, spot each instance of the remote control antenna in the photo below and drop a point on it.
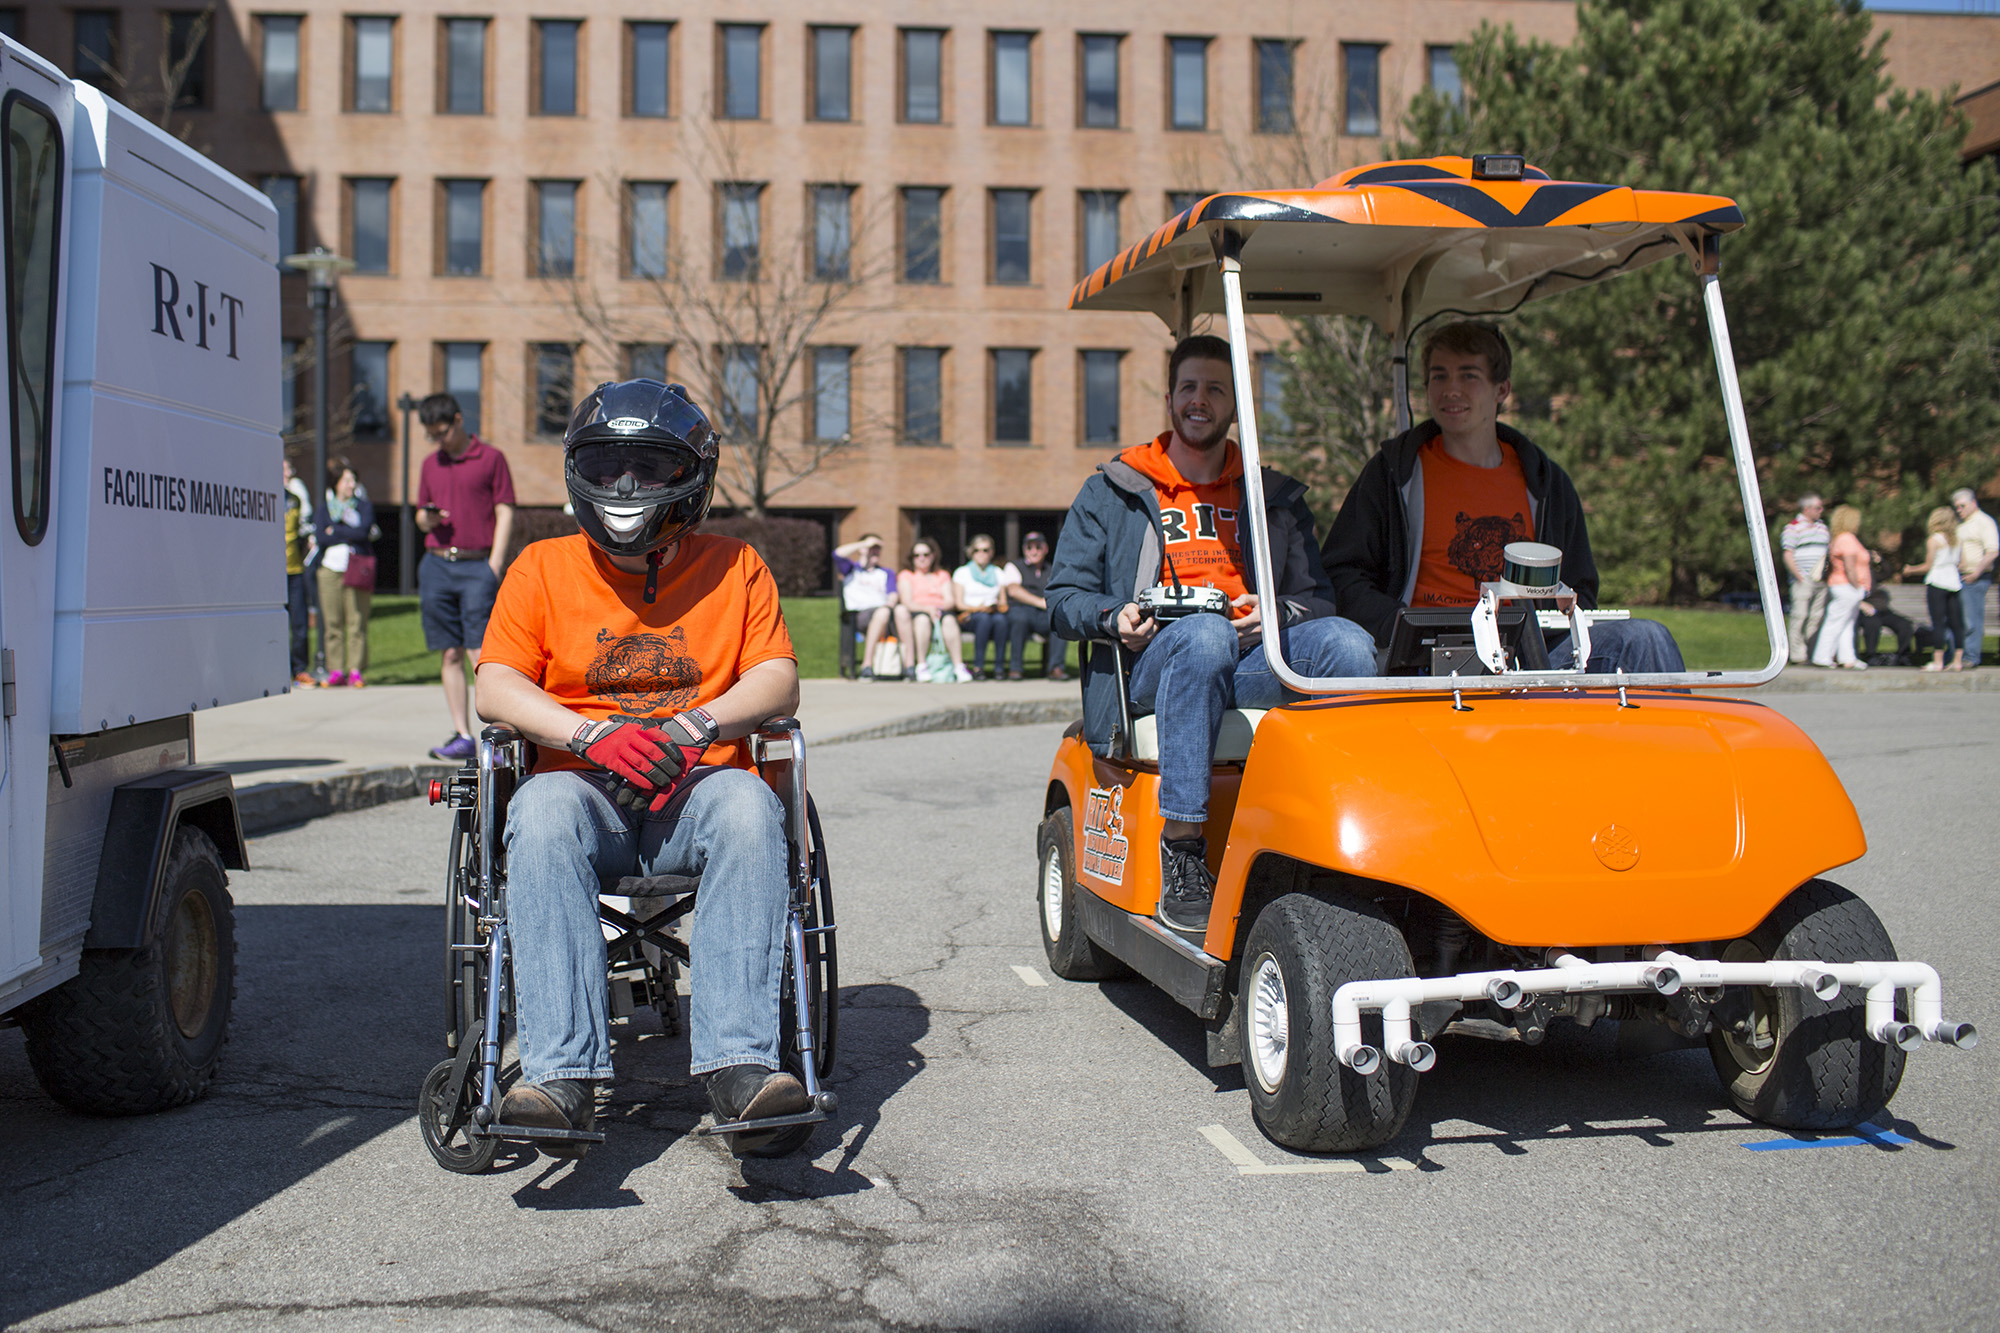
(1174, 574)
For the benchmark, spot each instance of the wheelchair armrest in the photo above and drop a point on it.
(499, 734)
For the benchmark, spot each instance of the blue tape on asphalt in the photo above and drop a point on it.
(1863, 1136)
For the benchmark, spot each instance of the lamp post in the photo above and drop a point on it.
(406, 538)
(321, 267)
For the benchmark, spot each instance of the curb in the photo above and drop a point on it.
(1880, 680)
(276, 805)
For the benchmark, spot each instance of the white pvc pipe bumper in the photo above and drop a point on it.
(1663, 972)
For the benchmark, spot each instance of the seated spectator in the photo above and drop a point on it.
(1028, 611)
(980, 587)
(1942, 584)
(925, 601)
(1848, 581)
(868, 590)
(345, 548)
(1874, 617)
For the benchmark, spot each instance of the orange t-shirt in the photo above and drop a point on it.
(1470, 514)
(579, 627)
(1199, 522)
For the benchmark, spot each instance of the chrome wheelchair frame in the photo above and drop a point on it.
(458, 1106)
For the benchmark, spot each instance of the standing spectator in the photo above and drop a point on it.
(924, 600)
(346, 576)
(980, 590)
(1028, 611)
(1942, 585)
(866, 588)
(1848, 581)
(1979, 543)
(298, 536)
(1805, 541)
(1877, 616)
(465, 506)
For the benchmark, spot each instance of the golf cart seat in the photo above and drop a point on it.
(1232, 743)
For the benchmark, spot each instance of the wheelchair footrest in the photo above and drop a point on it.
(760, 1126)
(537, 1132)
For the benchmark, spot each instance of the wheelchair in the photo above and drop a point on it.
(458, 1105)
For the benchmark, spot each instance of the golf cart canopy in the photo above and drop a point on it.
(1397, 242)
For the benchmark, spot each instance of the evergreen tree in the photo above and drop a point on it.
(1863, 293)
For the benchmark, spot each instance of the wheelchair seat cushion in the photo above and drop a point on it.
(1232, 744)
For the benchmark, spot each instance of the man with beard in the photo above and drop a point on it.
(1169, 511)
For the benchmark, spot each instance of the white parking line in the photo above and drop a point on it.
(1247, 1163)
(1028, 976)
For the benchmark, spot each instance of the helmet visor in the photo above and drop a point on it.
(644, 474)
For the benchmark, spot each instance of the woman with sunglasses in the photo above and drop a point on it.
(925, 597)
(980, 587)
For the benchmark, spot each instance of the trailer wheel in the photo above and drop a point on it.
(1073, 955)
(142, 1030)
(1797, 1061)
(1302, 948)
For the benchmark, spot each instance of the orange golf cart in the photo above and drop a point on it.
(1474, 843)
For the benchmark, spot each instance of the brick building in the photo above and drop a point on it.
(520, 182)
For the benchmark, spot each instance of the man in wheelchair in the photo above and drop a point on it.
(1167, 512)
(1427, 520)
(637, 655)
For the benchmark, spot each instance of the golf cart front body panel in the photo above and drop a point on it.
(1116, 809)
(1547, 819)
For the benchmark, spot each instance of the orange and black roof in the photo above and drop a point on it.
(1397, 241)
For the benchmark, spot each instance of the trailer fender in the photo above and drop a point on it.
(137, 838)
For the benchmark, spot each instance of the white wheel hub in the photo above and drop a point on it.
(1052, 894)
(1270, 1024)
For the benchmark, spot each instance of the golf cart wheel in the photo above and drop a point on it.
(141, 1030)
(1073, 955)
(446, 1128)
(1797, 1061)
(1303, 948)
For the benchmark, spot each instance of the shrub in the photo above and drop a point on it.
(794, 548)
(532, 525)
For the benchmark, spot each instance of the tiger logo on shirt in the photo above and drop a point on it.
(644, 674)
(1479, 547)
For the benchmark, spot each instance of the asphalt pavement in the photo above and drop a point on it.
(1014, 1151)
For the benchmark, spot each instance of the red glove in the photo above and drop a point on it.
(650, 757)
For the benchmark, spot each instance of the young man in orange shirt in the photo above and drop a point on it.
(1428, 518)
(637, 655)
(1172, 509)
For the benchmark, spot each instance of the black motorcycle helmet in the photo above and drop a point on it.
(639, 461)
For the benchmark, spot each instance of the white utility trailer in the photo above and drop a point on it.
(141, 580)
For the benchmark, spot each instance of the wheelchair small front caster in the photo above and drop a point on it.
(445, 1129)
(826, 1102)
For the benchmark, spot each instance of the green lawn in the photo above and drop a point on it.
(1714, 640)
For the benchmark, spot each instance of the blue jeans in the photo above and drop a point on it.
(1192, 672)
(564, 835)
(1636, 645)
(1972, 603)
(987, 627)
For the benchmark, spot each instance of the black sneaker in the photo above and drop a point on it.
(560, 1103)
(1186, 887)
(752, 1092)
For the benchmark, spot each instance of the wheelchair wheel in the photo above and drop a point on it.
(821, 961)
(465, 971)
(445, 1128)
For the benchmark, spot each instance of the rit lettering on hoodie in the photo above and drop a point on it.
(1198, 523)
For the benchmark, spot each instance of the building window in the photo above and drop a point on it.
(1274, 87)
(1272, 376)
(288, 384)
(648, 43)
(187, 57)
(739, 392)
(280, 37)
(832, 381)
(742, 230)
(1013, 395)
(742, 71)
(368, 225)
(1443, 62)
(1180, 201)
(646, 229)
(555, 381)
(832, 73)
(96, 60)
(1012, 252)
(1099, 226)
(1361, 64)
(464, 377)
(923, 233)
(1011, 78)
(368, 394)
(1187, 74)
(555, 229)
(646, 361)
(922, 372)
(833, 231)
(283, 192)
(923, 75)
(1100, 397)
(1098, 109)
(555, 85)
(374, 64)
(464, 228)
(464, 67)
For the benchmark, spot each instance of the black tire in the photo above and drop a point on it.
(464, 971)
(141, 1030)
(444, 1127)
(1302, 948)
(1822, 1071)
(1073, 955)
